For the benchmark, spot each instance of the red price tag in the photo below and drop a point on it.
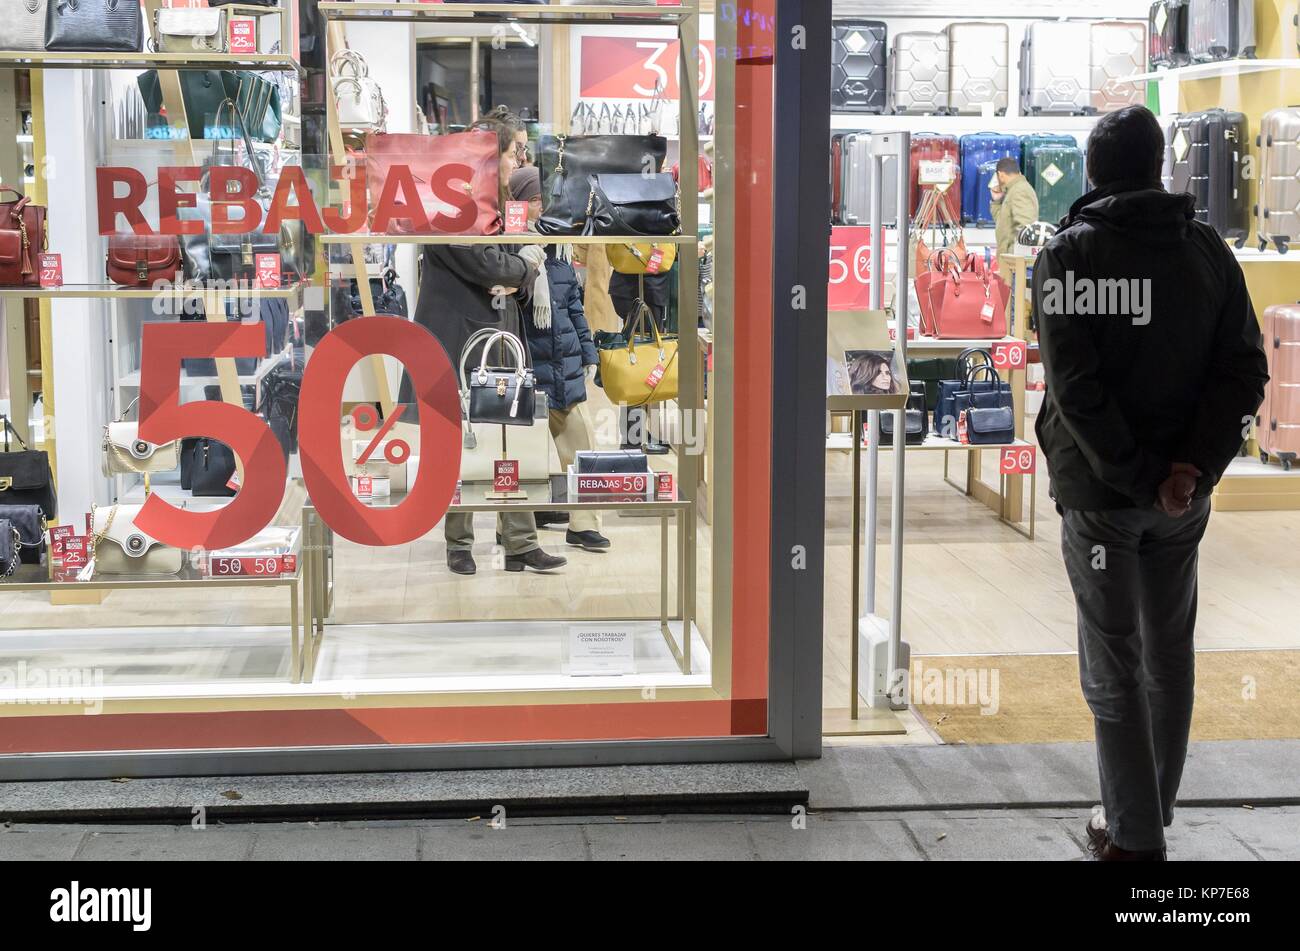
(365, 487)
(987, 311)
(243, 35)
(51, 268)
(516, 217)
(1019, 460)
(850, 274)
(75, 551)
(656, 375)
(250, 566)
(614, 486)
(268, 271)
(505, 475)
(233, 483)
(455, 499)
(665, 489)
(1010, 355)
(58, 535)
(656, 262)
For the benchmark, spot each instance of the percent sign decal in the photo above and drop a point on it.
(366, 419)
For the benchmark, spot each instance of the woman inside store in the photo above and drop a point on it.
(564, 356)
(467, 288)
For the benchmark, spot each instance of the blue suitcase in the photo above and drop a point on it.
(979, 149)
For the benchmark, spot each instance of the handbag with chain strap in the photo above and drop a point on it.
(125, 453)
(117, 547)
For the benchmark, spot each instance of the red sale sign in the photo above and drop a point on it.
(268, 271)
(51, 268)
(243, 35)
(636, 67)
(505, 476)
(1010, 355)
(1018, 460)
(516, 217)
(850, 274)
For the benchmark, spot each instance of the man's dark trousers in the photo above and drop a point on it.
(1134, 577)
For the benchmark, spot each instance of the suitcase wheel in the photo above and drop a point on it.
(1263, 245)
(1263, 457)
(1281, 243)
(1286, 461)
(1240, 242)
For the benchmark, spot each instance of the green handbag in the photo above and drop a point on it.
(257, 100)
(930, 370)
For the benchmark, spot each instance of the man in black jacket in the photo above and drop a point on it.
(1154, 371)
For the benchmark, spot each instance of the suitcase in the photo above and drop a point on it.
(918, 74)
(1119, 50)
(1167, 169)
(855, 177)
(1277, 215)
(1167, 33)
(1208, 148)
(858, 66)
(837, 178)
(1278, 423)
(977, 150)
(927, 147)
(1058, 180)
(1029, 144)
(1056, 69)
(978, 69)
(1220, 29)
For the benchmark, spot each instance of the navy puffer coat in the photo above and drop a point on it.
(561, 351)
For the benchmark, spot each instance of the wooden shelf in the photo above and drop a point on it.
(35, 59)
(529, 238)
(644, 13)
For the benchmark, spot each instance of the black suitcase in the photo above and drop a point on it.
(858, 52)
(1208, 149)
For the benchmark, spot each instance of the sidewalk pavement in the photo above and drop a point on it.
(1232, 834)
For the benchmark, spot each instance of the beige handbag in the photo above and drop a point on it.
(190, 30)
(124, 452)
(117, 547)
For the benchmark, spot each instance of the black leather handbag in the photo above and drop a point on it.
(624, 461)
(94, 26)
(25, 477)
(29, 522)
(207, 465)
(568, 162)
(995, 426)
(915, 420)
(634, 205)
(504, 395)
(278, 402)
(10, 548)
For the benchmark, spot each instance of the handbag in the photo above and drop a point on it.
(417, 156)
(178, 30)
(278, 400)
(24, 22)
(94, 26)
(995, 426)
(915, 421)
(944, 421)
(29, 522)
(206, 468)
(530, 445)
(568, 162)
(125, 453)
(117, 547)
(10, 548)
(388, 296)
(504, 395)
(929, 371)
(598, 461)
(633, 204)
(358, 99)
(970, 303)
(204, 92)
(140, 260)
(25, 477)
(635, 258)
(22, 237)
(935, 216)
(636, 370)
(975, 394)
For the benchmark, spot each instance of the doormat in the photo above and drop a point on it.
(1035, 698)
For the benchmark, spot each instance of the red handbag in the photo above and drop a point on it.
(22, 239)
(966, 303)
(141, 260)
(434, 184)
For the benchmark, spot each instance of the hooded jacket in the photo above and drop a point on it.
(562, 350)
(1150, 345)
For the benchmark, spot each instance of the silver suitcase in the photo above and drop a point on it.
(978, 67)
(918, 80)
(855, 178)
(1057, 68)
(1167, 167)
(1119, 50)
(1220, 29)
(1277, 216)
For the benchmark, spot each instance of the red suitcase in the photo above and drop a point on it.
(1279, 417)
(937, 148)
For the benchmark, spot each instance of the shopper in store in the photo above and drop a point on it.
(464, 289)
(1154, 370)
(564, 356)
(1015, 204)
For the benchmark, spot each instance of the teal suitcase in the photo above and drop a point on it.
(1058, 179)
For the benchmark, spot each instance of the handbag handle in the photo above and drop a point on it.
(254, 165)
(360, 68)
(987, 369)
(641, 313)
(9, 428)
(964, 364)
(490, 336)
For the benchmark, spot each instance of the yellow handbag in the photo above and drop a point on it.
(643, 371)
(633, 258)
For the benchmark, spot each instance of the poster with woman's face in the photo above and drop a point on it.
(871, 372)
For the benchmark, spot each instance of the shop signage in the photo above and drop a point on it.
(1018, 460)
(936, 172)
(1010, 355)
(505, 476)
(614, 486)
(243, 35)
(58, 535)
(268, 271)
(638, 67)
(516, 217)
(51, 268)
(665, 490)
(850, 276)
(596, 649)
(249, 566)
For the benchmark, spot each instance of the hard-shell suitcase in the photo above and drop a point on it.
(978, 67)
(1167, 31)
(1167, 168)
(1208, 149)
(1058, 180)
(1277, 215)
(858, 76)
(983, 217)
(1220, 29)
(1029, 144)
(1278, 423)
(918, 74)
(1119, 50)
(1057, 68)
(927, 147)
(837, 178)
(855, 177)
(979, 149)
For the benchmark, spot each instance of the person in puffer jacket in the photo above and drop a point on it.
(564, 357)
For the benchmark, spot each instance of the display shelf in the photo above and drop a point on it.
(1250, 255)
(959, 125)
(843, 442)
(1216, 70)
(132, 380)
(1249, 485)
(291, 292)
(528, 238)
(275, 62)
(645, 13)
(932, 343)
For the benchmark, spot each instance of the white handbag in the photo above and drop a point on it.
(358, 98)
(24, 22)
(119, 548)
(126, 453)
(190, 30)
